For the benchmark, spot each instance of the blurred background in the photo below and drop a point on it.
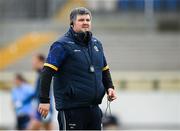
(141, 39)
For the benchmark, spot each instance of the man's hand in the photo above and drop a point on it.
(44, 109)
(111, 94)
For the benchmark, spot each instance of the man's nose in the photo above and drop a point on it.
(86, 22)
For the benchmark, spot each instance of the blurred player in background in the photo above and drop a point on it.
(23, 109)
(37, 121)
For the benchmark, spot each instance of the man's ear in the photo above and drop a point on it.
(71, 24)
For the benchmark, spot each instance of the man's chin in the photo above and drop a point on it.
(84, 30)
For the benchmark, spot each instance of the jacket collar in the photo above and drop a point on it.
(80, 38)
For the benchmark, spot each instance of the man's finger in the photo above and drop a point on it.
(43, 114)
(110, 93)
(111, 98)
(39, 110)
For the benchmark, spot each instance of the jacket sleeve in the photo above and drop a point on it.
(56, 56)
(53, 62)
(45, 82)
(106, 76)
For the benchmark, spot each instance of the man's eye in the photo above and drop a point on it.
(81, 19)
(88, 20)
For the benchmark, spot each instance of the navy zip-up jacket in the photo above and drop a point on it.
(74, 84)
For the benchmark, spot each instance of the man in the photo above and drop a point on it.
(23, 108)
(37, 122)
(80, 76)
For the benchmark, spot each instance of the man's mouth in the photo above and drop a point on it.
(85, 26)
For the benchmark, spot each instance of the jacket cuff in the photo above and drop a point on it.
(111, 87)
(44, 100)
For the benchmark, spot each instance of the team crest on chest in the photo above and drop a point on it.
(96, 49)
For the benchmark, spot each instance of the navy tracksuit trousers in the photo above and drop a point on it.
(85, 118)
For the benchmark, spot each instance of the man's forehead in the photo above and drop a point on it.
(85, 16)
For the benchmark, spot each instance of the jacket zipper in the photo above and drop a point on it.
(90, 62)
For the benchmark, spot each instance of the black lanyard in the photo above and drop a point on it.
(89, 56)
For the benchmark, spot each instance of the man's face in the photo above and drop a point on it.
(17, 82)
(36, 64)
(82, 23)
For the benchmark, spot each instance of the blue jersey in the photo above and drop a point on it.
(19, 95)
